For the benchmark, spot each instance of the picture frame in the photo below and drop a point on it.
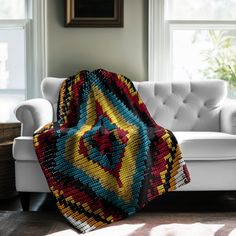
(94, 13)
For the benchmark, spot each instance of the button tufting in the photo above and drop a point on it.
(185, 105)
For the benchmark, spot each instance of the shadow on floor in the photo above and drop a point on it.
(172, 202)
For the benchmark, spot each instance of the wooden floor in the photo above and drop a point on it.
(140, 224)
(32, 223)
(44, 218)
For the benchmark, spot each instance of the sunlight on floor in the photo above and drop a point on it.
(118, 230)
(232, 233)
(195, 229)
(174, 229)
(68, 232)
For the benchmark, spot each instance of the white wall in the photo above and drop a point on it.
(121, 50)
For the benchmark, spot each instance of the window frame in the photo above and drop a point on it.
(36, 51)
(160, 41)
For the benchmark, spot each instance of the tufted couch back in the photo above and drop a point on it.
(178, 106)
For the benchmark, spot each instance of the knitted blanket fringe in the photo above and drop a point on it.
(105, 157)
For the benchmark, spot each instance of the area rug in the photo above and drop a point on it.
(105, 158)
(141, 224)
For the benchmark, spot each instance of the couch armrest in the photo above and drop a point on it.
(228, 117)
(33, 114)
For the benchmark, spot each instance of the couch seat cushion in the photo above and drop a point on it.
(194, 146)
(207, 145)
(23, 149)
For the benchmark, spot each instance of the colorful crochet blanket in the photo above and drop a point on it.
(105, 157)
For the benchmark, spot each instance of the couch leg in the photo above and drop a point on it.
(25, 200)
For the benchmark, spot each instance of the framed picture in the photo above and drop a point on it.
(94, 13)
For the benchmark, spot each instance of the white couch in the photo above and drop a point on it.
(203, 121)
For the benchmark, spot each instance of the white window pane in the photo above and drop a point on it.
(12, 58)
(12, 9)
(8, 102)
(200, 9)
(205, 54)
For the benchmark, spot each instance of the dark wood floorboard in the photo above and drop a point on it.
(32, 223)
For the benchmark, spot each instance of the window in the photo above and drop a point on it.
(20, 25)
(12, 56)
(191, 40)
(12, 9)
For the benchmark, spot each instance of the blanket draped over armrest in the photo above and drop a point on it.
(105, 157)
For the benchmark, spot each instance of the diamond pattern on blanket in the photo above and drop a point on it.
(105, 157)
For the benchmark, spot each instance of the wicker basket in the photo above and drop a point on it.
(7, 170)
